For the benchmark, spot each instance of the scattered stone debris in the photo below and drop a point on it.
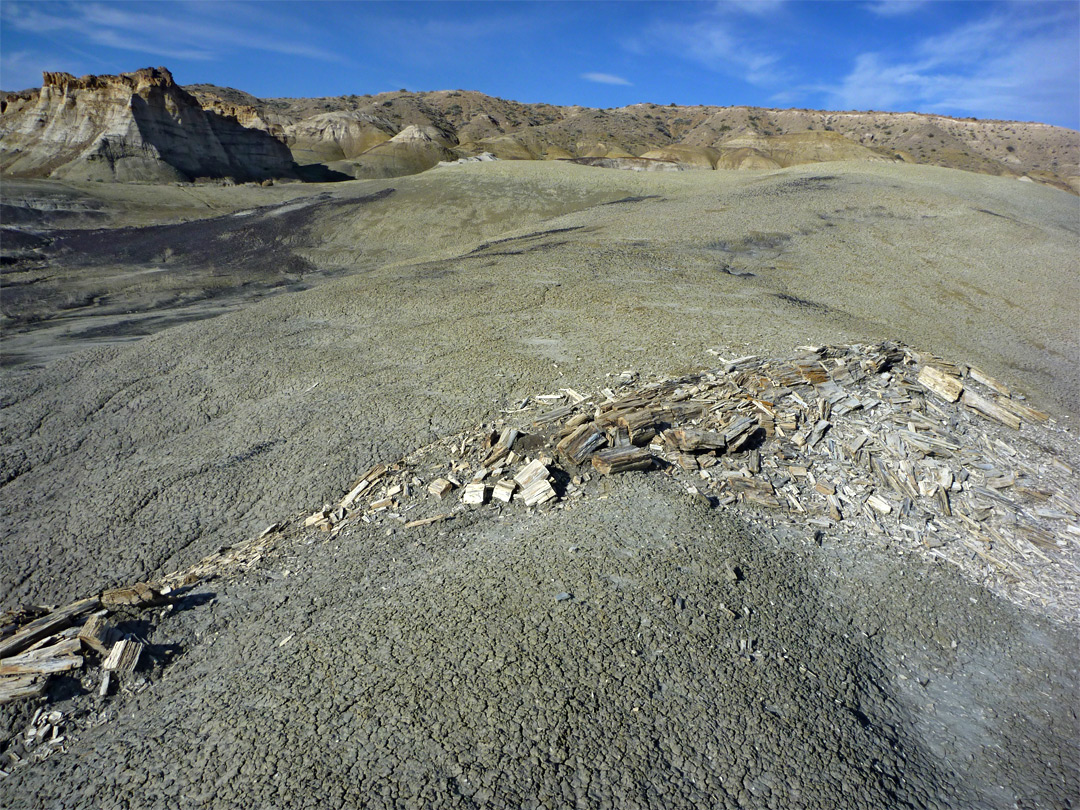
(876, 440)
(869, 440)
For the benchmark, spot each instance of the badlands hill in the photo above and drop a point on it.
(703, 136)
(141, 126)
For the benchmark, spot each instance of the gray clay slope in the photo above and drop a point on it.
(441, 669)
(125, 461)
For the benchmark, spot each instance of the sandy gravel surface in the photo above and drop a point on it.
(461, 292)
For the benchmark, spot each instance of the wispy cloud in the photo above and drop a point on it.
(759, 8)
(895, 8)
(1013, 64)
(198, 31)
(606, 78)
(716, 44)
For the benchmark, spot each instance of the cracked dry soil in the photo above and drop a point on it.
(697, 664)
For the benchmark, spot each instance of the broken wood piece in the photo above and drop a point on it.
(440, 488)
(1023, 411)
(425, 521)
(504, 490)
(475, 493)
(318, 518)
(97, 634)
(58, 657)
(141, 593)
(124, 656)
(982, 377)
(538, 492)
(640, 425)
(21, 686)
(944, 385)
(820, 427)
(585, 440)
(739, 432)
(555, 415)
(502, 446)
(369, 478)
(622, 459)
(532, 472)
(982, 405)
(51, 623)
(693, 441)
(880, 504)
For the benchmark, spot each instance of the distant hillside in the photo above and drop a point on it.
(724, 137)
(141, 126)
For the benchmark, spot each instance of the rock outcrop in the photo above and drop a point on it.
(138, 126)
(794, 149)
(336, 136)
(413, 150)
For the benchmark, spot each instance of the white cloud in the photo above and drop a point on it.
(895, 8)
(1011, 65)
(606, 78)
(715, 44)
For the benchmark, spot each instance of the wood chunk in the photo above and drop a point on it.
(124, 656)
(573, 436)
(59, 657)
(531, 473)
(502, 446)
(504, 490)
(585, 442)
(555, 415)
(687, 461)
(622, 459)
(640, 425)
(475, 493)
(990, 409)
(440, 488)
(538, 492)
(47, 625)
(880, 504)
(834, 507)
(995, 385)
(738, 430)
(141, 593)
(573, 423)
(97, 634)
(819, 430)
(317, 518)
(369, 478)
(944, 385)
(21, 686)
(425, 521)
(695, 441)
(1023, 411)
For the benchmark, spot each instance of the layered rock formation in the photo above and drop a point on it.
(138, 126)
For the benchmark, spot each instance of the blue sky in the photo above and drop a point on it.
(1013, 60)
